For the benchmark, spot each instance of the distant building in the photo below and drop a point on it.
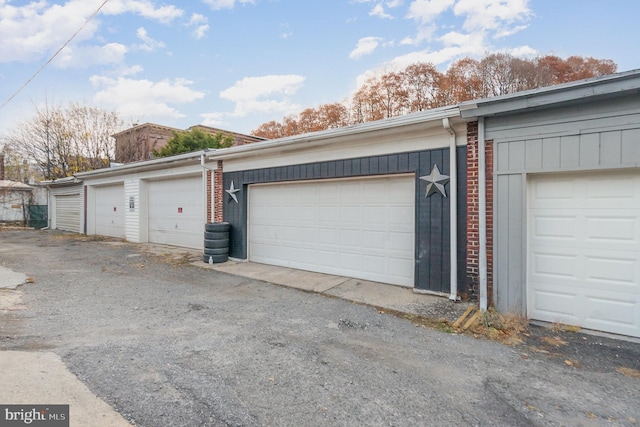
(139, 142)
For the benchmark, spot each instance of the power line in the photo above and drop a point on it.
(54, 55)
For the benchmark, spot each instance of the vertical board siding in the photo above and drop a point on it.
(432, 263)
(596, 136)
(132, 216)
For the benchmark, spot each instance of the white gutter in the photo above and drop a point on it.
(482, 215)
(325, 135)
(453, 210)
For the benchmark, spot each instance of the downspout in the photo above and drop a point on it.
(482, 215)
(453, 211)
(204, 188)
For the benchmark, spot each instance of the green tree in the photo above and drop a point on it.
(193, 140)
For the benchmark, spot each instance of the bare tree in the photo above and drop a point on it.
(63, 141)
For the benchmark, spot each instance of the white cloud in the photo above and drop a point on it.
(266, 94)
(144, 98)
(378, 10)
(200, 23)
(523, 51)
(148, 43)
(491, 14)
(366, 46)
(213, 119)
(36, 30)
(426, 11)
(482, 20)
(144, 8)
(84, 56)
(226, 4)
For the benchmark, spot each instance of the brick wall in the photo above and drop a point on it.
(218, 193)
(473, 213)
(209, 204)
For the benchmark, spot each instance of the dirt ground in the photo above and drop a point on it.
(168, 344)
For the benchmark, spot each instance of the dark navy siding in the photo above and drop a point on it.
(432, 214)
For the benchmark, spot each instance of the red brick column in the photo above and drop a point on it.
(218, 193)
(473, 213)
(209, 207)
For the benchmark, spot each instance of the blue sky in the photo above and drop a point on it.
(235, 64)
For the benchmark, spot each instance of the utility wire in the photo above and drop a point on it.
(54, 55)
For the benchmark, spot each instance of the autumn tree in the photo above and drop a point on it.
(62, 141)
(193, 140)
(421, 86)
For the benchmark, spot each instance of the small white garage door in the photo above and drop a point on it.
(584, 251)
(109, 210)
(68, 212)
(176, 214)
(361, 228)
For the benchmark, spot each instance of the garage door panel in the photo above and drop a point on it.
(176, 212)
(109, 210)
(359, 228)
(612, 269)
(68, 212)
(584, 256)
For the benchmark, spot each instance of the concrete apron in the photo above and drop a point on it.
(379, 295)
(34, 378)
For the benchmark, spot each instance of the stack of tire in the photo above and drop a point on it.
(216, 242)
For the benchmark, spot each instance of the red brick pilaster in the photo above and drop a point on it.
(209, 200)
(473, 213)
(218, 193)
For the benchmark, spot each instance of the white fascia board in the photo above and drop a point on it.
(433, 117)
(161, 163)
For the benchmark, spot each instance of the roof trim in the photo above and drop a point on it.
(385, 124)
(546, 97)
(193, 157)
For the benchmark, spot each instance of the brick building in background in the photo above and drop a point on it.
(138, 142)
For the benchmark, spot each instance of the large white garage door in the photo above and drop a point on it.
(68, 212)
(362, 228)
(109, 210)
(584, 251)
(176, 214)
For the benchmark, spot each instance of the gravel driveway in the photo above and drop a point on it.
(168, 344)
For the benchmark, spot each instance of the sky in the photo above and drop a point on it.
(236, 64)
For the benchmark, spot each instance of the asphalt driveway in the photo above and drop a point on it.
(169, 344)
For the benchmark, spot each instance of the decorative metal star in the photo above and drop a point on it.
(232, 192)
(435, 182)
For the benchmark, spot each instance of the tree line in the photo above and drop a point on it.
(60, 141)
(421, 87)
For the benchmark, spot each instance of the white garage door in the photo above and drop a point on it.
(362, 228)
(68, 212)
(176, 214)
(584, 251)
(109, 210)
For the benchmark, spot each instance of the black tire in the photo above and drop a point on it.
(214, 244)
(216, 235)
(216, 251)
(217, 226)
(216, 259)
